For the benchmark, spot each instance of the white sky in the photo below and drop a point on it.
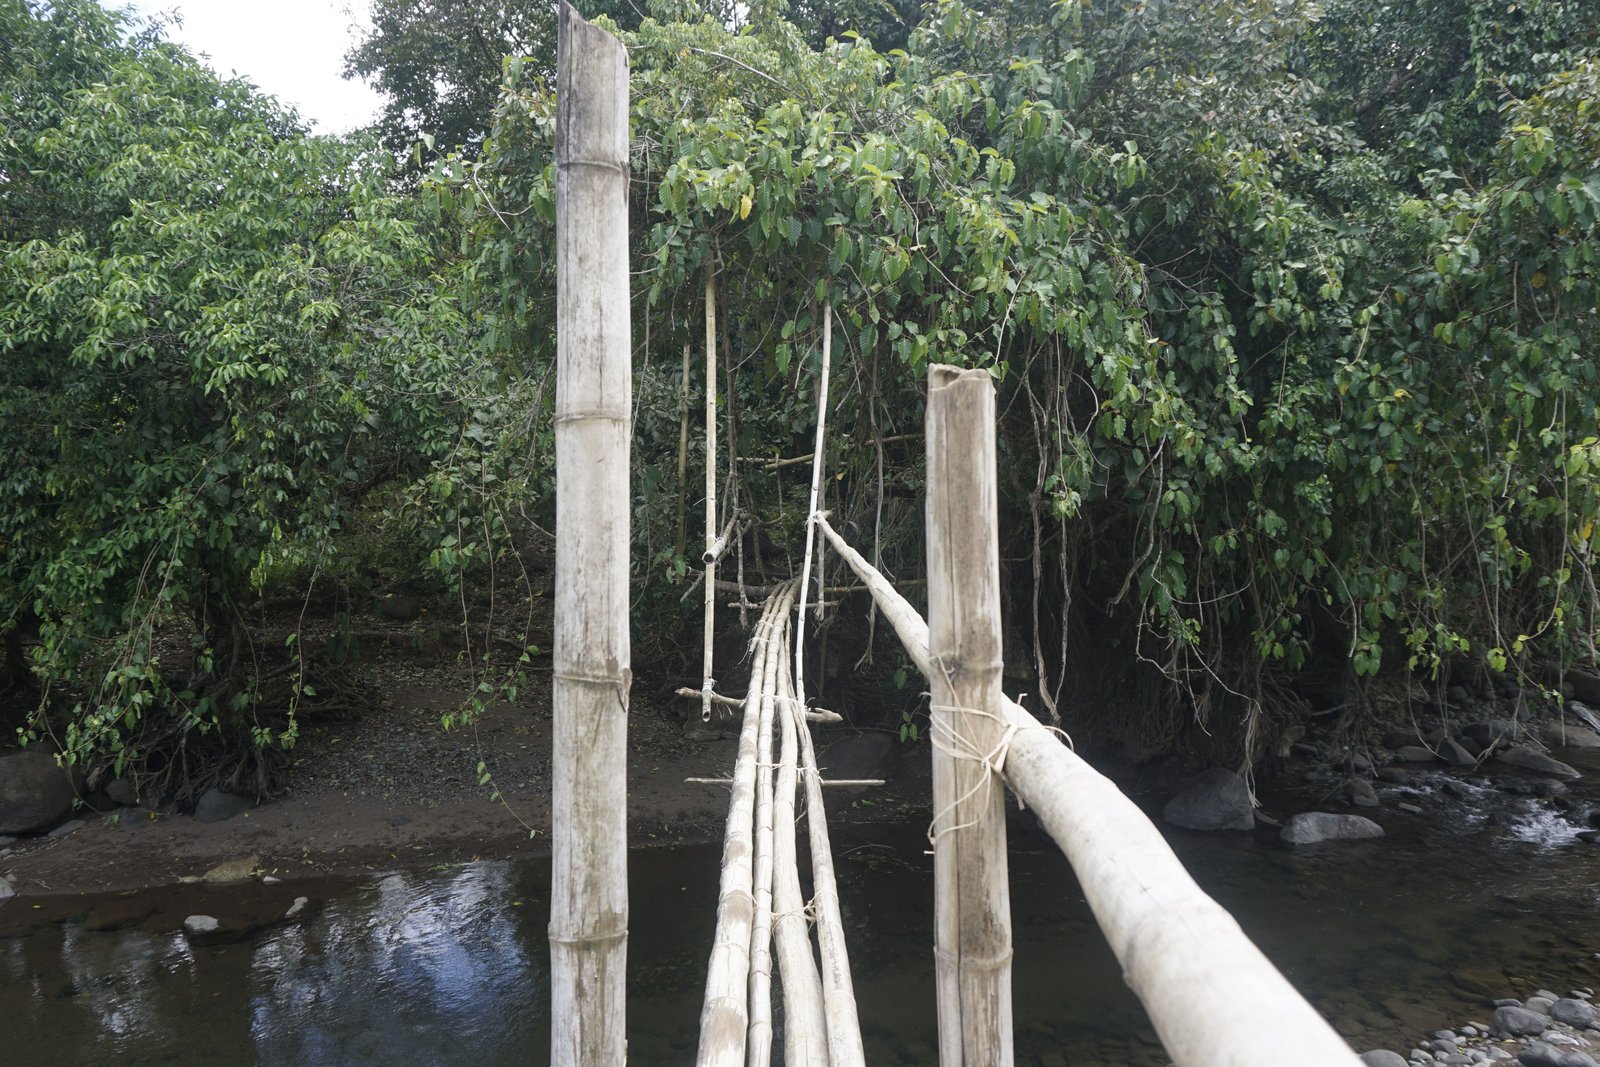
(292, 49)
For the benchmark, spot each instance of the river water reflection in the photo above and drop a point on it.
(1392, 939)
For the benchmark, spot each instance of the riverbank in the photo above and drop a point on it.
(392, 790)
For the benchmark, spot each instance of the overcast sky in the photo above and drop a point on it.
(292, 49)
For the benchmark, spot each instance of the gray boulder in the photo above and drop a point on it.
(216, 806)
(122, 791)
(1570, 735)
(1537, 762)
(1310, 827)
(1382, 1057)
(1214, 799)
(1519, 1022)
(1414, 754)
(1456, 754)
(34, 792)
(1573, 1012)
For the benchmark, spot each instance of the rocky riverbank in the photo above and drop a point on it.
(1546, 1030)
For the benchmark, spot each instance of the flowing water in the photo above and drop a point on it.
(1475, 898)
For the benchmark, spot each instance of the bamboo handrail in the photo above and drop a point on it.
(1214, 999)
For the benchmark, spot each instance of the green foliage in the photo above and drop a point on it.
(1254, 387)
(218, 333)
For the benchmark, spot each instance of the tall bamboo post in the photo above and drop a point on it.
(708, 683)
(972, 907)
(589, 876)
(1214, 999)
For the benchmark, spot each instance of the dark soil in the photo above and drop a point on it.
(386, 786)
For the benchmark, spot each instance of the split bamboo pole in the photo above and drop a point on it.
(759, 1051)
(708, 683)
(805, 1028)
(725, 1018)
(971, 900)
(838, 990)
(818, 454)
(1215, 1000)
(589, 875)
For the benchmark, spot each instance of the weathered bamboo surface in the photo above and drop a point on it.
(725, 1016)
(972, 903)
(1215, 1000)
(589, 877)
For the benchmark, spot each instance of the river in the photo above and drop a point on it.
(1474, 898)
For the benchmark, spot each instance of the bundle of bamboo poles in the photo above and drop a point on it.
(762, 913)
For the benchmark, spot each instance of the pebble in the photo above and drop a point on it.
(66, 828)
(201, 924)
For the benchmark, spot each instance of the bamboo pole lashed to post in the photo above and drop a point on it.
(972, 905)
(1214, 999)
(589, 875)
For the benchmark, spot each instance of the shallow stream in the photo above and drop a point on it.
(1475, 898)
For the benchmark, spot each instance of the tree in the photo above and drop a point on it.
(217, 333)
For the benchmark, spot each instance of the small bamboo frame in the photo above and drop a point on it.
(972, 903)
(589, 875)
(725, 1016)
(1214, 999)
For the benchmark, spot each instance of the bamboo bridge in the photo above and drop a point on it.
(1214, 999)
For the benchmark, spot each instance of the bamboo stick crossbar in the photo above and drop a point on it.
(1214, 999)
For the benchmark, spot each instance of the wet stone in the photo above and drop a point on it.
(1519, 1021)
(1577, 1013)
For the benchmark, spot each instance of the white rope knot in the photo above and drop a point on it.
(948, 740)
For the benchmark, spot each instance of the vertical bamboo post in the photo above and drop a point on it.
(972, 925)
(589, 890)
(818, 455)
(708, 683)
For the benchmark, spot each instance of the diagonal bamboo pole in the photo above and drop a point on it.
(838, 990)
(589, 874)
(972, 903)
(725, 1018)
(1215, 1000)
(805, 1029)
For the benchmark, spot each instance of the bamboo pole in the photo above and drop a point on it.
(838, 990)
(683, 453)
(805, 1029)
(708, 683)
(1214, 999)
(818, 453)
(759, 1050)
(724, 1018)
(589, 874)
(972, 904)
